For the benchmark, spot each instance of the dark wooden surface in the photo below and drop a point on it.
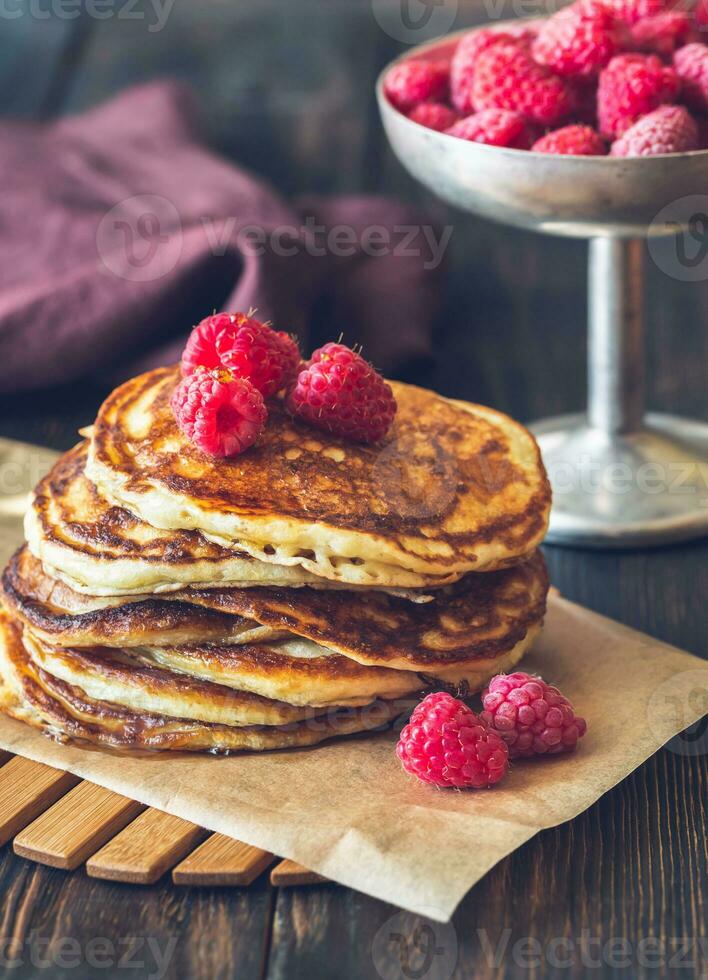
(631, 868)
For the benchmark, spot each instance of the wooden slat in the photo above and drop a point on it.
(148, 847)
(221, 860)
(289, 873)
(76, 827)
(26, 790)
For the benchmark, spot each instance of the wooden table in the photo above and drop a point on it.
(512, 335)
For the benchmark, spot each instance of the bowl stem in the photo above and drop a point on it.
(616, 335)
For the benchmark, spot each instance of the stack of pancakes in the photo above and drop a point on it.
(306, 588)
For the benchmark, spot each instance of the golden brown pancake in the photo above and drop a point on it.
(104, 674)
(472, 626)
(105, 550)
(58, 614)
(477, 627)
(106, 553)
(192, 681)
(295, 671)
(452, 488)
(31, 695)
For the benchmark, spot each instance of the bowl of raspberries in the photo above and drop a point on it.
(593, 117)
(623, 78)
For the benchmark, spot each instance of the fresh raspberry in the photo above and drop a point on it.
(532, 717)
(577, 41)
(340, 392)
(577, 141)
(663, 33)
(691, 63)
(446, 744)
(631, 86)
(434, 115)
(497, 127)
(468, 50)
(249, 349)
(220, 414)
(412, 82)
(670, 129)
(507, 77)
(632, 11)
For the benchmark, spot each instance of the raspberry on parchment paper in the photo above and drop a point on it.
(532, 717)
(445, 744)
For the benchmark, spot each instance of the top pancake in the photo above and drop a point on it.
(104, 550)
(452, 488)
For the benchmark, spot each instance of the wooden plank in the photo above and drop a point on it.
(27, 789)
(76, 827)
(148, 847)
(289, 873)
(221, 860)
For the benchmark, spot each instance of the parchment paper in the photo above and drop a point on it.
(347, 810)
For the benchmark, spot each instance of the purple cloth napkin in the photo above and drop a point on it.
(119, 230)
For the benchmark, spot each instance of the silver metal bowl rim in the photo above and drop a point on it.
(568, 160)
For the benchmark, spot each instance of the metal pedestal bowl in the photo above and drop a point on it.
(620, 476)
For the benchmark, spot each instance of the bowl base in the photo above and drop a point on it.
(630, 490)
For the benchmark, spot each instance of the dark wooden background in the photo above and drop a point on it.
(287, 90)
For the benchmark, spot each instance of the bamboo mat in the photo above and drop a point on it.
(57, 819)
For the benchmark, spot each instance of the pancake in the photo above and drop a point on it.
(104, 550)
(452, 488)
(477, 627)
(273, 682)
(106, 553)
(296, 671)
(31, 695)
(111, 675)
(58, 614)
